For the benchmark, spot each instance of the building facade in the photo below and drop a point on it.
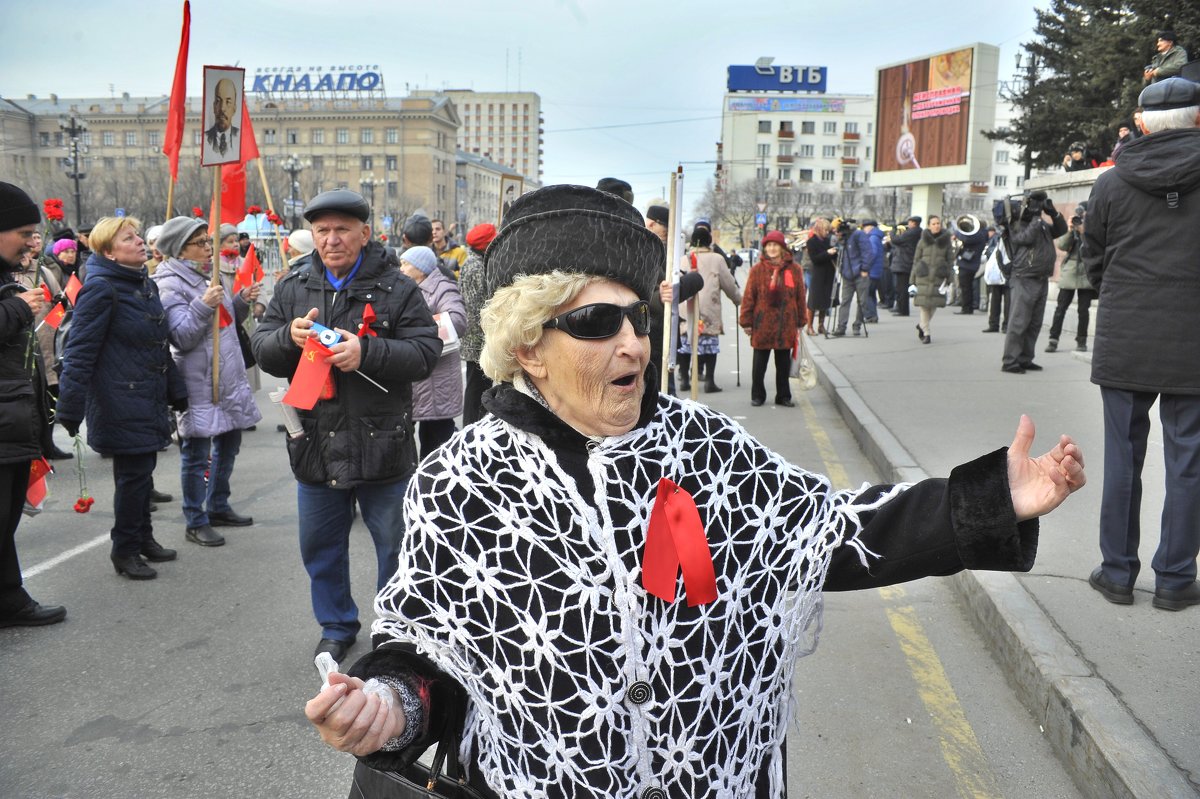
(503, 127)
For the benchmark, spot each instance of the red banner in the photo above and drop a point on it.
(177, 111)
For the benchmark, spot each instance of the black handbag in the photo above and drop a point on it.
(417, 781)
(244, 343)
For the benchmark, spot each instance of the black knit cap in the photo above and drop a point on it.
(16, 208)
(576, 229)
(660, 214)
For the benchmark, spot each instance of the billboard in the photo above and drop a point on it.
(767, 77)
(930, 114)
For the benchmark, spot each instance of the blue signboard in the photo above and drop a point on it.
(774, 102)
(120, 212)
(776, 78)
(760, 219)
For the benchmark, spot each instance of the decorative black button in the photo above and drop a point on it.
(639, 694)
(654, 793)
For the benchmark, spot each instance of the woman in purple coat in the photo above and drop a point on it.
(205, 428)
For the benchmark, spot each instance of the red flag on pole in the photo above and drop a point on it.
(56, 316)
(173, 139)
(46, 293)
(249, 272)
(311, 374)
(249, 144)
(35, 492)
(225, 317)
(233, 193)
(74, 284)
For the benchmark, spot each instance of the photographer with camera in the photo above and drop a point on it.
(854, 267)
(1032, 239)
(1072, 282)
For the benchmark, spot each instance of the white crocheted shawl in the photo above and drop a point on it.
(530, 595)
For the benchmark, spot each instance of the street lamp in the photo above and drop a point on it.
(368, 185)
(74, 130)
(293, 166)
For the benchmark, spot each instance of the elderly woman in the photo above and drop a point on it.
(933, 267)
(438, 398)
(537, 602)
(773, 311)
(118, 374)
(206, 429)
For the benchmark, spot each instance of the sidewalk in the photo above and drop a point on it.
(1116, 689)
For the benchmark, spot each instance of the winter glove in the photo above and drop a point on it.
(912, 290)
(1048, 207)
(180, 405)
(70, 425)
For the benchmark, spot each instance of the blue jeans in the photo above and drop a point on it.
(325, 518)
(199, 499)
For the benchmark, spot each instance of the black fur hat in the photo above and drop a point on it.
(576, 229)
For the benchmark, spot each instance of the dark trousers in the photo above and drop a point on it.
(1060, 313)
(477, 383)
(14, 480)
(133, 481)
(966, 290)
(902, 293)
(888, 288)
(758, 373)
(1126, 428)
(996, 296)
(1028, 311)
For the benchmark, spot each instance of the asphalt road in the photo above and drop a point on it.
(193, 684)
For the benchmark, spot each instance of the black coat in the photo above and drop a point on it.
(362, 434)
(117, 366)
(20, 418)
(1141, 249)
(905, 245)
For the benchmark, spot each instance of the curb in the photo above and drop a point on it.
(1107, 752)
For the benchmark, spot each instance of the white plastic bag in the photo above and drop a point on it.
(803, 367)
(446, 333)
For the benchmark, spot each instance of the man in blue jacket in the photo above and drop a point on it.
(21, 412)
(855, 272)
(357, 442)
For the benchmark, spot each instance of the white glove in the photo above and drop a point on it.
(912, 290)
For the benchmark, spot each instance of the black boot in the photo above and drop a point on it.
(133, 567)
(685, 373)
(710, 383)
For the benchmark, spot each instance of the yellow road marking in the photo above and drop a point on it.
(972, 773)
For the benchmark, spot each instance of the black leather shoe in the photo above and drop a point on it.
(335, 648)
(991, 330)
(34, 615)
(785, 403)
(1165, 599)
(1031, 367)
(158, 496)
(156, 552)
(963, 313)
(133, 567)
(1117, 594)
(153, 508)
(205, 536)
(1013, 370)
(229, 519)
(757, 402)
(712, 388)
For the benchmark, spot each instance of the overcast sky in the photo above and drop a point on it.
(629, 89)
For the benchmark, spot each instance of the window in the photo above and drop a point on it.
(391, 162)
(808, 127)
(342, 163)
(318, 163)
(806, 174)
(764, 126)
(270, 161)
(195, 138)
(391, 135)
(827, 175)
(1020, 181)
(830, 127)
(852, 127)
(343, 135)
(762, 173)
(764, 151)
(131, 163)
(318, 135)
(44, 139)
(850, 151)
(785, 148)
(785, 127)
(86, 139)
(807, 150)
(109, 138)
(393, 188)
(805, 198)
(850, 175)
(1000, 181)
(367, 163)
(110, 163)
(153, 139)
(829, 151)
(785, 173)
(269, 136)
(366, 136)
(293, 135)
(131, 138)
(826, 198)
(1002, 156)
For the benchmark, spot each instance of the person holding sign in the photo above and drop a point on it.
(353, 396)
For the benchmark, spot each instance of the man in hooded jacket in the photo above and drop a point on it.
(1141, 250)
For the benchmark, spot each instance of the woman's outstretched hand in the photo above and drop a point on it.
(352, 721)
(1039, 485)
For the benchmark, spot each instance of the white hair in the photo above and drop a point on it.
(1171, 119)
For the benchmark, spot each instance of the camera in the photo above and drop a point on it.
(1076, 221)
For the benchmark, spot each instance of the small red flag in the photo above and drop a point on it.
(311, 374)
(46, 293)
(675, 540)
(74, 284)
(364, 329)
(35, 493)
(56, 316)
(223, 315)
(177, 110)
(249, 272)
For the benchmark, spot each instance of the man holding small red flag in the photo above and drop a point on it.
(356, 407)
(20, 415)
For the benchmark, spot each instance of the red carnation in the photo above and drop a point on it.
(383, 237)
(273, 218)
(254, 210)
(54, 209)
(197, 211)
(232, 252)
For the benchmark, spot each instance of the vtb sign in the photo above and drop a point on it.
(763, 76)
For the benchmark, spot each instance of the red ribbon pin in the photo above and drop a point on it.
(675, 540)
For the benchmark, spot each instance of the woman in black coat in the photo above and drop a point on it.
(119, 375)
(824, 269)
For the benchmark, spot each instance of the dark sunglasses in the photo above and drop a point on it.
(602, 320)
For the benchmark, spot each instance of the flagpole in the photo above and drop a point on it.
(672, 257)
(171, 198)
(262, 176)
(216, 281)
